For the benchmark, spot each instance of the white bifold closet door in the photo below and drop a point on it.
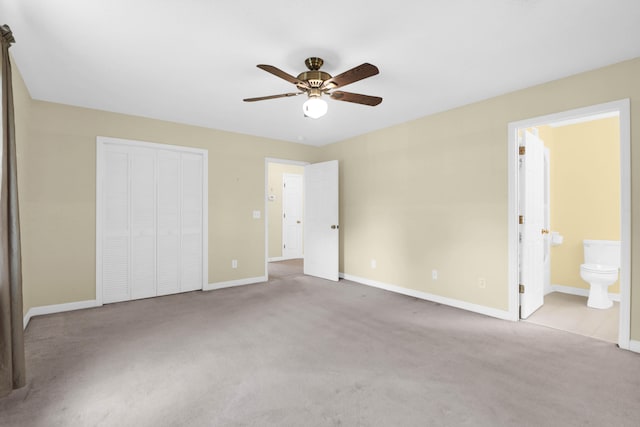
(153, 203)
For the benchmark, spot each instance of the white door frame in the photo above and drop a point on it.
(268, 160)
(623, 109)
(101, 141)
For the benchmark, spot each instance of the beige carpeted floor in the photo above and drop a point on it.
(301, 351)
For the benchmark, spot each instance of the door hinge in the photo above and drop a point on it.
(284, 246)
(284, 185)
(522, 150)
(521, 288)
(521, 219)
(284, 215)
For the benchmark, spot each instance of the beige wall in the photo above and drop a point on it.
(276, 170)
(585, 193)
(432, 193)
(58, 212)
(427, 194)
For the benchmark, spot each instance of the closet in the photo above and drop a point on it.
(151, 219)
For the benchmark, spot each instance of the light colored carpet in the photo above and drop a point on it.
(301, 351)
(570, 313)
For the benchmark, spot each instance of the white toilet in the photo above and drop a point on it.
(600, 270)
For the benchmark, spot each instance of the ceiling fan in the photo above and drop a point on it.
(315, 83)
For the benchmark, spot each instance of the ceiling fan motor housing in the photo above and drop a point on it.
(314, 78)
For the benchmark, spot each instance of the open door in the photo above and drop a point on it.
(321, 231)
(292, 216)
(531, 224)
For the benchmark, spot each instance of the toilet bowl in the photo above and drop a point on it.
(600, 270)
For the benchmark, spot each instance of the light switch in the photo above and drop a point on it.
(256, 214)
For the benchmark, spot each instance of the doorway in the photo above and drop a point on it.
(284, 211)
(320, 248)
(536, 287)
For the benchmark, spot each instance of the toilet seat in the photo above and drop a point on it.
(600, 269)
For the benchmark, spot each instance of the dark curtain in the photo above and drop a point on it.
(12, 364)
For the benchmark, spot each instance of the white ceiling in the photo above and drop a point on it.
(193, 61)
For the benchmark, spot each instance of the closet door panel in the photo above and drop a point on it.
(143, 223)
(115, 240)
(191, 260)
(168, 251)
(151, 219)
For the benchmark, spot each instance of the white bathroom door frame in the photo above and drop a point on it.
(622, 107)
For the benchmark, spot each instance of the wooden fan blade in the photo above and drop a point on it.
(282, 95)
(353, 75)
(279, 73)
(357, 98)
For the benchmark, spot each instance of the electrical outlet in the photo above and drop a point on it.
(374, 264)
(234, 263)
(256, 214)
(434, 274)
(482, 283)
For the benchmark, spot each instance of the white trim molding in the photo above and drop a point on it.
(233, 283)
(487, 311)
(58, 308)
(634, 346)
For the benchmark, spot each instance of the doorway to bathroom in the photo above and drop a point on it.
(575, 187)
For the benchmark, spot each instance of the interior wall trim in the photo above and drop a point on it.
(58, 308)
(634, 346)
(476, 308)
(232, 283)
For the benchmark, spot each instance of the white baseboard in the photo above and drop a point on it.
(488, 311)
(232, 283)
(634, 346)
(579, 291)
(282, 258)
(58, 308)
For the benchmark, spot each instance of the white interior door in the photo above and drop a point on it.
(532, 228)
(321, 230)
(152, 204)
(292, 216)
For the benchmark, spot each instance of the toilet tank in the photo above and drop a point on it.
(603, 252)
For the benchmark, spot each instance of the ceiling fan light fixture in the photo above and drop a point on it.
(315, 107)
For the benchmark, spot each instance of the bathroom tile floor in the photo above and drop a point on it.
(570, 313)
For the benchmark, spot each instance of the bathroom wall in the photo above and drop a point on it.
(276, 170)
(585, 192)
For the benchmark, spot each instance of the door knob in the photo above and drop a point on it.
(545, 231)
(298, 222)
(333, 227)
